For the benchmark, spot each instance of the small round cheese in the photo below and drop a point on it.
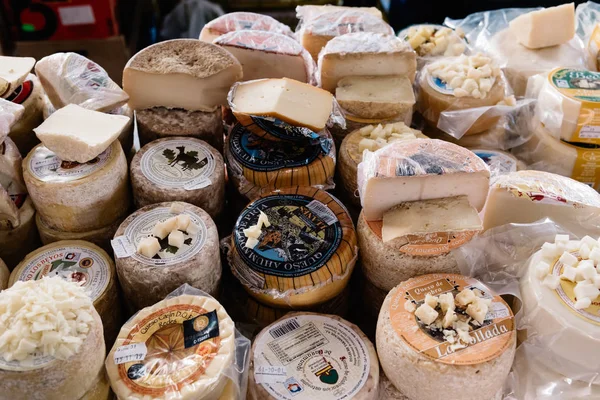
(16, 243)
(182, 169)
(30, 95)
(304, 257)
(316, 356)
(181, 347)
(145, 280)
(421, 363)
(75, 197)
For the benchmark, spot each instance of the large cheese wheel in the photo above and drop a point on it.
(387, 390)
(500, 162)
(31, 96)
(254, 163)
(82, 262)
(77, 197)
(146, 281)
(16, 243)
(159, 122)
(304, 258)
(182, 169)
(188, 346)
(100, 389)
(321, 357)
(4, 274)
(236, 21)
(423, 365)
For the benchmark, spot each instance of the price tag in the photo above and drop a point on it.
(130, 352)
(270, 374)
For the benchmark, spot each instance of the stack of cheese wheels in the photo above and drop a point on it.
(4, 275)
(469, 359)
(31, 96)
(74, 197)
(303, 257)
(340, 361)
(236, 21)
(146, 280)
(71, 350)
(179, 168)
(185, 346)
(85, 264)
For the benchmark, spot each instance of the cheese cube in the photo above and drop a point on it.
(595, 255)
(561, 239)
(177, 208)
(586, 270)
(426, 314)
(431, 301)
(176, 239)
(162, 229)
(568, 259)
(584, 251)
(410, 306)
(478, 310)
(569, 273)
(596, 281)
(544, 28)
(591, 242)
(251, 243)
(367, 144)
(182, 222)
(465, 297)
(252, 232)
(263, 220)
(550, 250)
(542, 269)
(586, 289)
(76, 134)
(583, 303)
(449, 318)
(192, 229)
(551, 281)
(446, 301)
(148, 247)
(13, 71)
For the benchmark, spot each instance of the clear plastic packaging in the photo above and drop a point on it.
(236, 21)
(10, 113)
(183, 347)
(587, 19)
(430, 48)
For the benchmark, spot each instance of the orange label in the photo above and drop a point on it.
(587, 167)
(488, 341)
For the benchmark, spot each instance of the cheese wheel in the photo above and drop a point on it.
(387, 391)
(77, 197)
(17, 242)
(500, 162)
(145, 280)
(30, 95)
(423, 365)
(4, 274)
(100, 389)
(182, 169)
(160, 122)
(237, 21)
(319, 356)
(184, 346)
(87, 265)
(304, 258)
(254, 163)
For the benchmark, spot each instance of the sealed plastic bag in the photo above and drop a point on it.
(237, 21)
(10, 113)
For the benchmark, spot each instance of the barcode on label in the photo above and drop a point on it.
(322, 211)
(286, 327)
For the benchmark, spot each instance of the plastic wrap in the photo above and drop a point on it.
(10, 113)
(183, 347)
(432, 48)
(305, 13)
(587, 17)
(305, 256)
(236, 21)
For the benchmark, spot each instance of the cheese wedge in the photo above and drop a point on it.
(544, 28)
(13, 71)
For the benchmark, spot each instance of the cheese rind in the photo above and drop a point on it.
(13, 71)
(237, 21)
(10, 113)
(31, 96)
(548, 27)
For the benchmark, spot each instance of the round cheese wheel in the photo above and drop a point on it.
(4, 274)
(30, 95)
(423, 365)
(100, 389)
(320, 356)
(254, 163)
(304, 258)
(146, 281)
(236, 21)
(159, 122)
(16, 243)
(82, 262)
(182, 169)
(387, 391)
(184, 346)
(75, 197)
(500, 162)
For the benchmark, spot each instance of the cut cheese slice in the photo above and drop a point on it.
(268, 55)
(419, 169)
(548, 27)
(76, 134)
(10, 113)
(13, 71)
(31, 96)
(293, 102)
(180, 73)
(375, 97)
(365, 54)
(16, 243)
(237, 21)
(4, 275)
(188, 346)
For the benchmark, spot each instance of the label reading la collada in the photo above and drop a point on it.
(311, 357)
(178, 163)
(488, 341)
(47, 167)
(141, 227)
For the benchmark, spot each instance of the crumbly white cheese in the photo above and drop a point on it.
(148, 247)
(376, 137)
(254, 231)
(429, 40)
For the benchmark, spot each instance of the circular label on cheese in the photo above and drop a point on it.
(45, 166)
(439, 85)
(577, 84)
(22, 93)
(500, 163)
(488, 340)
(178, 164)
(311, 357)
(281, 129)
(73, 263)
(141, 227)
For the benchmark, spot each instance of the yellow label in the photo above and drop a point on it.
(587, 167)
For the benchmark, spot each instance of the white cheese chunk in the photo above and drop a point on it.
(192, 229)
(176, 239)
(586, 269)
(585, 289)
(148, 247)
(561, 239)
(177, 208)
(569, 273)
(409, 306)
(596, 281)
(544, 28)
(431, 301)
(478, 309)
(426, 314)
(10, 113)
(446, 301)
(465, 297)
(13, 71)
(263, 220)
(583, 303)
(449, 318)
(551, 281)
(252, 232)
(251, 243)
(183, 221)
(595, 255)
(542, 269)
(568, 259)
(550, 250)
(591, 242)
(584, 251)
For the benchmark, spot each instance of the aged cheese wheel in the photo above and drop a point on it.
(16, 243)
(100, 389)
(304, 258)
(30, 95)
(77, 197)
(87, 265)
(146, 281)
(254, 163)
(387, 391)
(182, 169)
(4, 274)
(320, 356)
(423, 365)
(159, 122)
(187, 343)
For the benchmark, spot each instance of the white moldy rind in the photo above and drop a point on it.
(150, 165)
(16, 243)
(145, 284)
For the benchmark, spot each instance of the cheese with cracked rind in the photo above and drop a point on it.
(75, 197)
(13, 72)
(17, 242)
(31, 96)
(237, 21)
(144, 280)
(547, 27)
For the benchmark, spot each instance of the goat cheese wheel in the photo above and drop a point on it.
(423, 365)
(179, 169)
(16, 243)
(144, 280)
(30, 95)
(313, 356)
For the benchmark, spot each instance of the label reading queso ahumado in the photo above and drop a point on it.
(47, 167)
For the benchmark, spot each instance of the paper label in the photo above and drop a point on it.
(122, 247)
(322, 358)
(76, 15)
(45, 166)
(488, 341)
(21, 93)
(499, 163)
(587, 166)
(130, 353)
